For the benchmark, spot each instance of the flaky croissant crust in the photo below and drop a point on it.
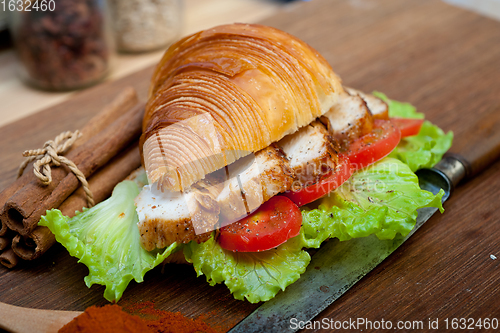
(223, 93)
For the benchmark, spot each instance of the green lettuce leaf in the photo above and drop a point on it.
(106, 239)
(382, 199)
(423, 150)
(399, 109)
(255, 276)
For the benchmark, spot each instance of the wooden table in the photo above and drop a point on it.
(444, 60)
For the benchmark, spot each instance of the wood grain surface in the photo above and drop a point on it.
(444, 60)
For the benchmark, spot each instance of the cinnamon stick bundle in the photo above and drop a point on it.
(23, 210)
(39, 240)
(7, 193)
(124, 101)
(101, 184)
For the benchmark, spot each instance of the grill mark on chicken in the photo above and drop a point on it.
(243, 196)
(252, 181)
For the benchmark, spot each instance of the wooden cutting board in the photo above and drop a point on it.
(444, 60)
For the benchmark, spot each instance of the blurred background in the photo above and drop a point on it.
(68, 45)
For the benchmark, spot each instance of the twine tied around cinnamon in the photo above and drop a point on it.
(51, 154)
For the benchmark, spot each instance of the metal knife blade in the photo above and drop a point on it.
(337, 266)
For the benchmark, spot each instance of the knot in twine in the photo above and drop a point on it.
(50, 155)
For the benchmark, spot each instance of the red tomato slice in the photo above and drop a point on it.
(374, 146)
(272, 224)
(313, 192)
(408, 126)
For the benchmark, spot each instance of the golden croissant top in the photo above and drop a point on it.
(225, 92)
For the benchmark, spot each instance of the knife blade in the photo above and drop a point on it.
(337, 266)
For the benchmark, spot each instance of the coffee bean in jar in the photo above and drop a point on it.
(145, 25)
(64, 47)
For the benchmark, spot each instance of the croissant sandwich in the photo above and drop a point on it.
(254, 152)
(234, 91)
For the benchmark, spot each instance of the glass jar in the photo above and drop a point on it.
(65, 45)
(145, 25)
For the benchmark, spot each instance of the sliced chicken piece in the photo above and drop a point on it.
(349, 119)
(302, 159)
(252, 181)
(378, 107)
(312, 153)
(233, 192)
(167, 217)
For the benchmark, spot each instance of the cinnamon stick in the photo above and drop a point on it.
(7, 193)
(3, 228)
(24, 248)
(4, 242)
(8, 258)
(101, 185)
(103, 182)
(33, 246)
(24, 209)
(124, 101)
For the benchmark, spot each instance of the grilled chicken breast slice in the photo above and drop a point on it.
(167, 217)
(349, 119)
(377, 107)
(311, 152)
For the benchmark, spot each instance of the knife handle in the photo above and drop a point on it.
(478, 146)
